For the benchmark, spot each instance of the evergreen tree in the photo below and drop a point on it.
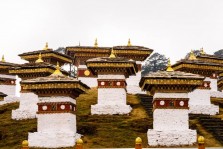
(219, 53)
(154, 63)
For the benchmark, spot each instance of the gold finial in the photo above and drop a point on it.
(57, 71)
(79, 141)
(112, 55)
(138, 140)
(46, 46)
(96, 43)
(129, 43)
(169, 68)
(200, 140)
(202, 51)
(192, 56)
(3, 58)
(25, 143)
(39, 60)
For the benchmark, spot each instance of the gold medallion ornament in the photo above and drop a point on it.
(86, 72)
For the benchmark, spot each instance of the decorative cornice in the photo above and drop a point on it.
(46, 55)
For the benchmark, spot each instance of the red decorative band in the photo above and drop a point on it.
(214, 76)
(170, 103)
(56, 107)
(112, 83)
(7, 82)
(84, 72)
(205, 85)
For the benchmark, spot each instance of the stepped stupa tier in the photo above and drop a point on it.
(170, 107)
(48, 55)
(200, 99)
(56, 114)
(5, 66)
(83, 53)
(209, 58)
(203, 68)
(27, 106)
(112, 72)
(8, 83)
(34, 70)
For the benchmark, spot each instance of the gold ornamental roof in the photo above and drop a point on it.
(54, 82)
(210, 58)
(28, 69)
(46, 54)
(138, 53)
(198, 67)
(114, 65)
(172, 81)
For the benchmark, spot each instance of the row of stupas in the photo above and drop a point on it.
(48, 94)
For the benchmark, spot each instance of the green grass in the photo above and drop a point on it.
(117, 131)
(12, 132)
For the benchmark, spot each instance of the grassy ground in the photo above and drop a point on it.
(12, 132)
(98, 131)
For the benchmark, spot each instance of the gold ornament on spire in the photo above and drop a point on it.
(39, 60)
(129, 43)
(46, 46)
(112, 55)
(96, 43)
(3, 58)
(192, 56)
(202, 51)
(57, 71)
(169, 68)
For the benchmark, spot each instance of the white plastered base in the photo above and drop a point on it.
(52, 140)
(204, 109)
(27, 107)
(171, 137)
(110, 109)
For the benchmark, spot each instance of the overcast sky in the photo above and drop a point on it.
(170, 27)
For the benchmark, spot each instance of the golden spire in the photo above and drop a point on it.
(57, 71)
(202, 51)
(112, 55)
(96, 43)
(192, 56)
(129, 43)
(3, 58)
(46, 46)
(169, 68)
(39, 60)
